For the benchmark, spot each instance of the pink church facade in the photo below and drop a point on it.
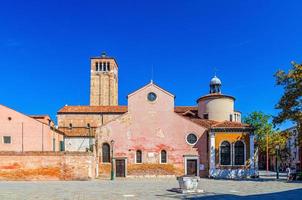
(152, 138)
(20, 133)
(151, 130)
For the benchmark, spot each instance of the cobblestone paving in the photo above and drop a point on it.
(147, 189)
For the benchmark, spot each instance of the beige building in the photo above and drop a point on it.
(103, 81)
(79, 122)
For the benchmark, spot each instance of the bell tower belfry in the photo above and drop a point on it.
(103, 81)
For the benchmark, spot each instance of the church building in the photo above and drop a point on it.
(152, 137)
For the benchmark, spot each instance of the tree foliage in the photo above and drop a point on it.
(263, 128)
(290, 104)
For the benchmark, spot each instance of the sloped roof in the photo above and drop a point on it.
(231, 125)
(93, 109)
(215, 95)
(78, 131)
(114, 109)
(151, 84)
(183, 109)
(215, 124)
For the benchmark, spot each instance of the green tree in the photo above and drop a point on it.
(264, 128)
(290, 104)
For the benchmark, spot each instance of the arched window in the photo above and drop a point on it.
(138, 156)
(225, 153)
(96, 66)
(163, 156)
(239, 153)
(106, 153)
(108, 66)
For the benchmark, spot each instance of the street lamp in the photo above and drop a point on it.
(112, 170)
(277, 155)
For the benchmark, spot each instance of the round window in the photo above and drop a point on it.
(191, 138)
(152, 96)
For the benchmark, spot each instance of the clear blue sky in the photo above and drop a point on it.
(45, 49)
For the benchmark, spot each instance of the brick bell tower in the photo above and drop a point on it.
(103, 81)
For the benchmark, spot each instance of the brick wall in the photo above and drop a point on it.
(47, 166)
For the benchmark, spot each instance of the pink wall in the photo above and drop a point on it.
(152, 127)
(36, 135)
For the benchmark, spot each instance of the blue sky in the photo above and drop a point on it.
(45, 48)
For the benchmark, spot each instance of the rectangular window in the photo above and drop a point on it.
(62, 146)
(7, 139)
(206, 116)
(54, 144)
(231, 117)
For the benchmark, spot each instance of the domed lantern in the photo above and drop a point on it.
(215, 85)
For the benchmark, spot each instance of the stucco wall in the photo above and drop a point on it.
(46, 166)
(152, 127)
(77, 143)
(232, 138)
(81, 120)
(218, 109)
(27, 134)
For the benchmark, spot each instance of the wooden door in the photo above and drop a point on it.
(120, 168)
(192, 167)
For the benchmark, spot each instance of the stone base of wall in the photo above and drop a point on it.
(104, 170)
(231, 173)
(152, 176)
(143, 170)
(153, 170)
(47, 166)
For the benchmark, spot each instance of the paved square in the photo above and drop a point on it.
(147, 189)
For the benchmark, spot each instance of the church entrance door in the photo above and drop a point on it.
(120, 168)
(192, 167)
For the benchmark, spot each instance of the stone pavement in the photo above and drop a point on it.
(150, 188)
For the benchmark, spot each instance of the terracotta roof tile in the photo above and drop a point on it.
(114, 109)
(215, 95)
(93, 109)
(214, 124)
(78, 131)
(183, 109)
(229, 124)
(202, 122)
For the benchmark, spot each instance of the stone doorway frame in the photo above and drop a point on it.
(191, 157)
(125, 160)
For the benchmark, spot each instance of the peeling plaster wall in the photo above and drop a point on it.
(152, 127)
(46, 166)
(77, 143)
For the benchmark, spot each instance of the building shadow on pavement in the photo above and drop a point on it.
(289, 194)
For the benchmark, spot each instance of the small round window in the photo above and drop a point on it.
(191, 138)
(152, 96)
